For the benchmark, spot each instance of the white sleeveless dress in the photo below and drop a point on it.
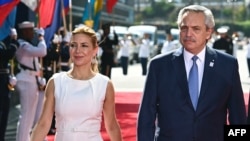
(78, 107)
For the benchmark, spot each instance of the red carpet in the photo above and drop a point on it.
(127, 104)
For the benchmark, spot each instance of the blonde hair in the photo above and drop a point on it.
(91, 33)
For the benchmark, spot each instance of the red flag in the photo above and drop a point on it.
(46, 12)
(110, 4)
(5, 8)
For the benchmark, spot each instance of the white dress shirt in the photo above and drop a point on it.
(200, 63)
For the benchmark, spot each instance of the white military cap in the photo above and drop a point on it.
(26, 24)
(13, 31)
(223, 29)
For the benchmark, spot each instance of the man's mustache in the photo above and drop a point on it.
(189, 39)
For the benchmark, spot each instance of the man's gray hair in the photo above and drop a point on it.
(209, 18)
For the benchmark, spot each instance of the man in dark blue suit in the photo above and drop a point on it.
(167, 104)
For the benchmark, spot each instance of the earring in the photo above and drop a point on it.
(94, 60)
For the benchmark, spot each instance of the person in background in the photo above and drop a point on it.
(40, 34)
(169, 45)
(186, 112)
(107, 44)
(29, 79)
(85, 86)
(125, 45)
(64, 53)
(8, 48)
(144, 52)
(224, 43)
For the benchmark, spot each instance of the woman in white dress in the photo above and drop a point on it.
(79, 97)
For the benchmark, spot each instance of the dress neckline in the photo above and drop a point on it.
(91, 78)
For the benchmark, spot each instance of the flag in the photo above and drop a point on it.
(6, 6)
(45, 12)
(92, 13)
(110, 5)
(87, 13)
(7, 24)
(55, 24)
(97, 13)
(32, 4)
(66, 6)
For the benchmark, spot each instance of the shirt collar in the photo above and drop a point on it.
(188, 56)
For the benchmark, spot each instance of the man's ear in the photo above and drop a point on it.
(210, 31)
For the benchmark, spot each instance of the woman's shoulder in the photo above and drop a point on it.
(58, 75)
(100, 76)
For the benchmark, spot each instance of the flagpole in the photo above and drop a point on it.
(63, 15)
(70, 15)
(40, 58)
(90, 14)
(70, 25)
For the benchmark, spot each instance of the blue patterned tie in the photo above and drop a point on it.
(193, 82)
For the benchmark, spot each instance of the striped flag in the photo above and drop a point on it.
(46, 12)
(92, 13)
(8, 23)
(55, 24)
(66, 4)
(6, 6)
(110, 5)
(32, 4)
(97, 13)
(44, 9)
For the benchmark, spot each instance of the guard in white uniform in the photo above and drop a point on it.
(28, 79)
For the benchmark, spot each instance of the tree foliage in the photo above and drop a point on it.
(158, 10)
(238, 17)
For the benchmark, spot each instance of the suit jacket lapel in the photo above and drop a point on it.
(210, 58)
(179, 66)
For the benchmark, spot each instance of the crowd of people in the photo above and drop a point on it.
(188, 95)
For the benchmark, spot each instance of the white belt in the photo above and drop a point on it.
(77, 129)
(34, 73)
(64, 64)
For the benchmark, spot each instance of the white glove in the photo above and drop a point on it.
(40, 31)
(12, 80)
(42, 81)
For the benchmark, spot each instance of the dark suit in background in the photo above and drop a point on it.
(107, 44)
(224, 43)
(7, 51)
(166, 104)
